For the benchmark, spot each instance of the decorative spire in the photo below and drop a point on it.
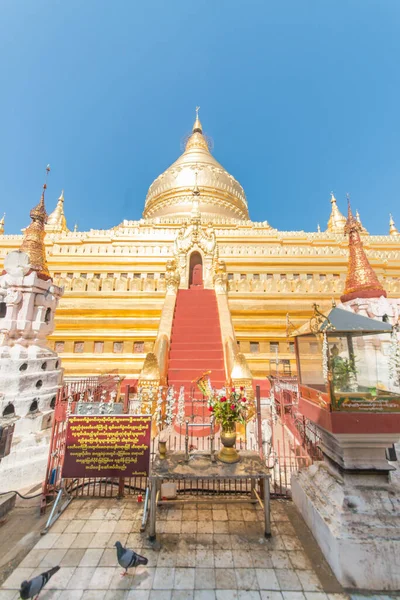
(363, 230)
(2, 224)
(56, 222)
(336, 221)
(33, 242)
(75, 227)
(197, 140)
(197, 128)
(318, 228)
(392, 227)
(361, 280)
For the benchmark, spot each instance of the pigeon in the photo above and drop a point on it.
(129, 558)
(32, 588)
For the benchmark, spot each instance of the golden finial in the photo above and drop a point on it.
(2, 224)
(197, 125)
(197, 140)
(392, 227)
(363, 230)
(33, 242)
(56, 222)
(318, 228)
(336, 221)
(361, 280)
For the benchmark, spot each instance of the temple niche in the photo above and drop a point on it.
(195, 248)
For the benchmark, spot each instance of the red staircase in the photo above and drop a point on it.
(196, 344)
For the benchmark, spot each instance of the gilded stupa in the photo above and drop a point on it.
(171, 193)
(361, 280)
(392, 227)
(56, 221)
(33, 240)
(336, 221)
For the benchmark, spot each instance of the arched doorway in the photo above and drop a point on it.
(196, 270)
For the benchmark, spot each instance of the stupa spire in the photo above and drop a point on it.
(392, 227)
(197, 125)
(33, 242)
(363, 230)
(56, 222)
(361, 280)
(2, 224)
(336, 221)
(197, 141)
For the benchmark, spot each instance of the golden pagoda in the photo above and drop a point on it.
(56, 221)
(336, 221)
(392, 227)
(171, 193)
(362, 230)
(33, 238)
(361, 280)
(121, 283)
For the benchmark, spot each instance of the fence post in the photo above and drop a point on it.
(259, 427)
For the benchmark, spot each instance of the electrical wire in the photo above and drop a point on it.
(20, 495)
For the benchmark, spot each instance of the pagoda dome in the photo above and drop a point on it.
(221, 196)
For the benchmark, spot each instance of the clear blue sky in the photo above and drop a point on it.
(300, 97)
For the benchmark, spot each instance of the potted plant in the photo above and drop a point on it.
(343, 371)
(228, 409)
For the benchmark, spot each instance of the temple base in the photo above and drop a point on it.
(354, 515)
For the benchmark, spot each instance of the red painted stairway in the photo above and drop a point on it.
(196, 344)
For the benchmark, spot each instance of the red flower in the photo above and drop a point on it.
(242, 389)
(232, 406)
(210, 408)
(244, 399)
(223, 399)
(233, 389)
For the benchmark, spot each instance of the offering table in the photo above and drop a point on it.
(200, 468)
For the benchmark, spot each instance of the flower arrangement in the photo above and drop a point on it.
(228, 408)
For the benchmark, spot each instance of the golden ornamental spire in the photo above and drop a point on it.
(361, 280)
(336, 221)
(197, 140)
(33, 242)
(56, 222)
(2, 224)
(392, 227)
(197, 125)
(363, 230)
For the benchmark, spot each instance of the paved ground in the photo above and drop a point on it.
(204, 552)
(19, 532)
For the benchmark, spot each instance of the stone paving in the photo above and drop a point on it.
(203, 552)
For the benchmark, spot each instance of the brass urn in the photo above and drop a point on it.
(228, 452)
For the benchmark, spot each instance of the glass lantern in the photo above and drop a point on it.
(348, 362)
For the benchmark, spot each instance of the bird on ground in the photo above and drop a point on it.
(128, 558)
(32, 588)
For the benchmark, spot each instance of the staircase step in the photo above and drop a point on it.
(196, 344)
(190, 353)
(192, 363)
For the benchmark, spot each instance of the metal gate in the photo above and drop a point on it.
(283, 437)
